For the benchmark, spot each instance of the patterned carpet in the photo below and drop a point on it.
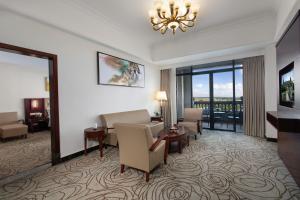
(19, 155)
(218, 165)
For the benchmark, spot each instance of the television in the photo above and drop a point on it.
(287, 86)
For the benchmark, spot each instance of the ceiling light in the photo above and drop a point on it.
(173, 14)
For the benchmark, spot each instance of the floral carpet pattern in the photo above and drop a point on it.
(19, 155)
(219, 165)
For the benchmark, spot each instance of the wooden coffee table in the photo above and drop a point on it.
(178, 136)
(96, 134)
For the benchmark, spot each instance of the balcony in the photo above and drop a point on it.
(224, 116)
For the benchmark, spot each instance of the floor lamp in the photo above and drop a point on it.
(161, 96)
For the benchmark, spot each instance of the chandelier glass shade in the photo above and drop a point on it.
(173, 14)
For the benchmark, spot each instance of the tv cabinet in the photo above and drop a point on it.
(287, 124)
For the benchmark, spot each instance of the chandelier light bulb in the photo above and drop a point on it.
(172, 2)
(151, 13)
(195, 9)
(158, 5)
(187, 3)
(191, 16)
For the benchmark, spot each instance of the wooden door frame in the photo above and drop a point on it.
(53, 80)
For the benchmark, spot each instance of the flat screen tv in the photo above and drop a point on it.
(287, 86)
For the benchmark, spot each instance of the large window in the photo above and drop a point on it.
(216, 88)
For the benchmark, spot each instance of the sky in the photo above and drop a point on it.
(286, 77)
(223, 86)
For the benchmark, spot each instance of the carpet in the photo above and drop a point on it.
(219, 165)
(19, 155)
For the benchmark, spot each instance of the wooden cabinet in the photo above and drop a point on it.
(288, 140)
(36, 114)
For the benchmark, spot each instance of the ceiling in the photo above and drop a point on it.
(133, 14)
(91, 18)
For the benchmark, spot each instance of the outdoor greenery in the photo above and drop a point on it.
(287, 91)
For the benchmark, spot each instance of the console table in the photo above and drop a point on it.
(288, 127)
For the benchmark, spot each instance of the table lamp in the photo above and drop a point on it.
(161, 96)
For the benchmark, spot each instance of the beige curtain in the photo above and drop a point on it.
(165, 76)
(254, 96)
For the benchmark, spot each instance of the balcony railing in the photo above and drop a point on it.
(223, 111)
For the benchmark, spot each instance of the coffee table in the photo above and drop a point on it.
(178, 136)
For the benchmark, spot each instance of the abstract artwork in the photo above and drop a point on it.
(117, 71)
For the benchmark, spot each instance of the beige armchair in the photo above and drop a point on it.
(10, 126)
(138, 148)
(192, 121)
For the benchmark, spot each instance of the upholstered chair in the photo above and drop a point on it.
(192, 121)
(137, 147)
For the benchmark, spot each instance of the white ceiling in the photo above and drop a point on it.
(133, 14)
(100, 20)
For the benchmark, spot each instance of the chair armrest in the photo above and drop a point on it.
(180, 120)
(156, 143)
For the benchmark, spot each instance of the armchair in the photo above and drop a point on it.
(192, 121)
(138, 148)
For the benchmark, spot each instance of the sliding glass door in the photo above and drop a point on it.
(215, 88)
(201, 96)
(222, 101)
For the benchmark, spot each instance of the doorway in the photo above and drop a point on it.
(40, 109)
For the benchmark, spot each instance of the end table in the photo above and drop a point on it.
(157, 118)
(94, 133)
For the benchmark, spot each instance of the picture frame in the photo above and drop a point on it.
(115, 71)
(287, 86)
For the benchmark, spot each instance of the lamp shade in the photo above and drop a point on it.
(161, 95)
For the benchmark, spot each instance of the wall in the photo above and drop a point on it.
(81, 100)
(18, 82)
(288, 50)
(271, 87)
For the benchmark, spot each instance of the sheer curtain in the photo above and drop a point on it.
(165, 80)
(254, 96)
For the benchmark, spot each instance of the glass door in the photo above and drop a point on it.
(239, 100)
(217, 89)
(223, 106)
(201, 96)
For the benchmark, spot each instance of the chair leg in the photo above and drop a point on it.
(195, 136)
(147, 176)
(122, 169)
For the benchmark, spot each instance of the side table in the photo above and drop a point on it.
(157, 118)
(94, 133)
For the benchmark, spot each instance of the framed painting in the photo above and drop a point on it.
(120, 72)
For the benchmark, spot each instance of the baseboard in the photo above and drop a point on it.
(79, 153)
(271, 139)
(24, 174)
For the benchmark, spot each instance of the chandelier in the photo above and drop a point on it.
(173, 14)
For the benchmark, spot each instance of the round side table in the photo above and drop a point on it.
(96, 134)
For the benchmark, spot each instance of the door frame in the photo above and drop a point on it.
(54, 103)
